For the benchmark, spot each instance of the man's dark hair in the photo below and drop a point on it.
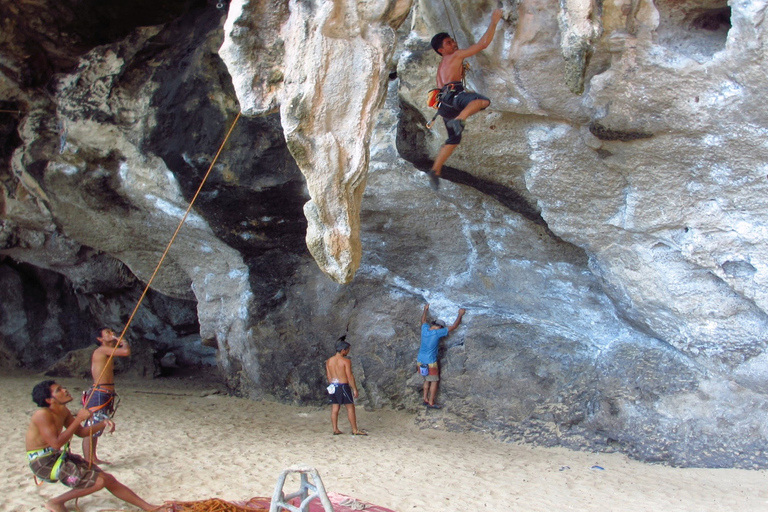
(341, 344)
(97, 335)
(437, 41)
(42, 392)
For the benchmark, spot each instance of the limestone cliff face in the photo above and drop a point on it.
(603, 221)
(330, 83)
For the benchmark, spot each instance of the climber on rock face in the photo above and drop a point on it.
(456, 104)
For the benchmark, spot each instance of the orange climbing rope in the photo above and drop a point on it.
(168, 247)
(162, 258)
(216, 505)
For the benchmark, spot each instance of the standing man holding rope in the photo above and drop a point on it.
(456, 104)
(101, 398)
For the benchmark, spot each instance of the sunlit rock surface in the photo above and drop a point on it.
(336, 63)
(603, 222)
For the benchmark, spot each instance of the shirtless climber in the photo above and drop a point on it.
(101, 396)
(48, 435)
(456, 104)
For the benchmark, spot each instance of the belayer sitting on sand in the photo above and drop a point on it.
(456, 104)
(48, 437)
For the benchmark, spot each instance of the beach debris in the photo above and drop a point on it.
(599, 468)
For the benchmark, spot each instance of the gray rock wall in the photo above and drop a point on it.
(602, 222)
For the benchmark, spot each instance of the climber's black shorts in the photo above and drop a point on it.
(452, 104)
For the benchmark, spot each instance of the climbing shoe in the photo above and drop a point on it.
(434, 180)
(457, 125)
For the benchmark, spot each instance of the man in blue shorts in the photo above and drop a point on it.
(426, 361)
(456, 104)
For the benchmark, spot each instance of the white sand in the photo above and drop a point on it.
(190, 447)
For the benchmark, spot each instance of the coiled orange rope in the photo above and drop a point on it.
(212, 505)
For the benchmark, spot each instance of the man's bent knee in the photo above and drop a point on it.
(105, 480)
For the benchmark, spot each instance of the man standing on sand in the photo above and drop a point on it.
(456, 105)
(426, 361)
(100, 398)
(342, 387)
(48, 435)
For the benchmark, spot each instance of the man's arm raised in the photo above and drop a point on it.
(484, 41)
(458, 320)
(122, 350)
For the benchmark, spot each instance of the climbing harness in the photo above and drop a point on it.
(443, 96)
(433, 99)
(439, 97)
(56, 469)
(111, 403)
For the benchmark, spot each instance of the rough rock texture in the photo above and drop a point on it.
(335, 65)
(609, 246)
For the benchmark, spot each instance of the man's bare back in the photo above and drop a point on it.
(338, 369)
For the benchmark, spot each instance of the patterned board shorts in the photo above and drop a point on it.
(74, 471)
(101, 403)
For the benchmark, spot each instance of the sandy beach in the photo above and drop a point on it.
(175, 441)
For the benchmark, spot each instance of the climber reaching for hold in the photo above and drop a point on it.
(456, 104)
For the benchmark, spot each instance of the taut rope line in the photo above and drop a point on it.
(159, 263)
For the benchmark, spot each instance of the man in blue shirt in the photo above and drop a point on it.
(426, 361)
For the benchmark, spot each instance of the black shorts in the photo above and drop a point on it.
(342, 395)
(452, 106)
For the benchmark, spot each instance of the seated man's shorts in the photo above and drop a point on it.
(74, 472)
(342, 395)
(434, 372)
